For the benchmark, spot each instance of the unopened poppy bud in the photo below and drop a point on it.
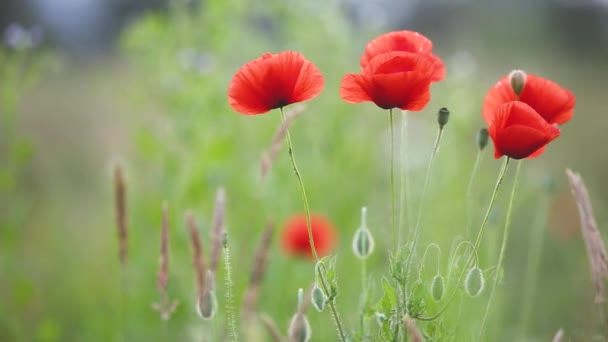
(363, 241)
(482, 138)
(206, 305)
(437, 287)
(474, 282)
(517, 78)
(318, 298)
(299, 328)
(443, 115)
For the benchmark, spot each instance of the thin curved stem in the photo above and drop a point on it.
(469, 220)
(503, 248)
(501, 176)
(420, 210)
(309, 228)
(302, 190)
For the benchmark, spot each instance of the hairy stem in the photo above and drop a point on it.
(503, 248)
(325, 288)
(429, 170)
(229, 295)
(469, 214)
(501, 176)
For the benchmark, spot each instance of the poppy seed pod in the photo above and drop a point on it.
(437, 287)
(443, 115)
(482, 138)
(474, 282)
(517, 79)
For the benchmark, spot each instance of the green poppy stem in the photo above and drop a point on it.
(503, 248)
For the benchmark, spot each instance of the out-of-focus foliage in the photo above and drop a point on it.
(183, 141)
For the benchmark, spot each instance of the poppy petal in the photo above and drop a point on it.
(247, 93)
(439, 68)
(407, 41)
(498, 95)
(274, 81)
(295, 236)
(293, 78)
(554, 103)
(399, 80)
(353, 89)
(518, 131)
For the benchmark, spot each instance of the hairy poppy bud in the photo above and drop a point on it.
(482, 138)
(437, 287)
(299, 328)
(318, 298)
(443, 116)
(517, 78)
(206, 305)
(474, 282)
(363, 241)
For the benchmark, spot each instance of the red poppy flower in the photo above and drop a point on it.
(295, 236)
(405, 41)
(554, 103)
(274, 81)
(518, 131)
(391, 80)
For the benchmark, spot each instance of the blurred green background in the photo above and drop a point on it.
(144, 84)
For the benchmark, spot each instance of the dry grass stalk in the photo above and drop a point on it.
(596, 250)
(558, 336)
(165, 307)
(120, 201)
(217, 231)
(270, 156)
(260, 265)
(163, 272)
(412, 329)
(197, 255)
(271, 327)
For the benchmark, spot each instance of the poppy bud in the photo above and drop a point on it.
(318, 298)
(206, 305)
(299, 328)
(363, 242)
(474, 282)
(482, 138)
(442, 117)
(517, 78)
(437, 287)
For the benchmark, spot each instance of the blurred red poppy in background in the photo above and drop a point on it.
(518, 131)
(554, 103)
(295, 236)
(404, 41)
(391, 80)
(274, 81)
